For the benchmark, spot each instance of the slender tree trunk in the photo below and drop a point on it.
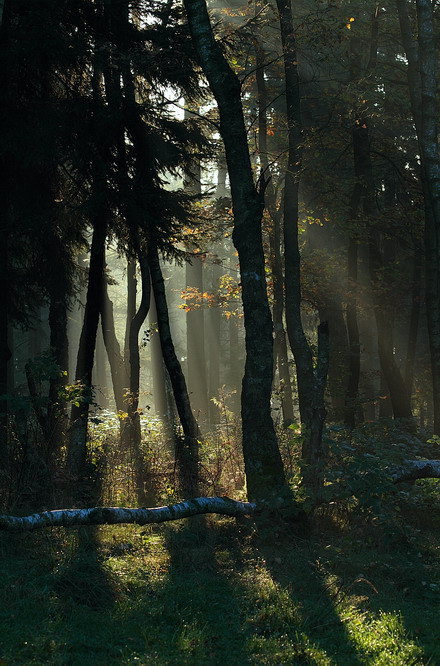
(157, 367)
(354, 352)
(428, 140)
(117, 367)
(187, 448)
(422, 84)
(5, 352)
(311, 384)
(131, 304)
(264, 469)
(77, 450)
(213, 330)
(135, 367)
(280, 346)
(59, 344)
(195, 343)
(400, 398)
(413, 321)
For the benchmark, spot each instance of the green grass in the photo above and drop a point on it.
(219, 592)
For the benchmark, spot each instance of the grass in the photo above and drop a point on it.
(216, 591)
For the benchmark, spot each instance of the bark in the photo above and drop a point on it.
(430, 157)
(400, 398)
(354, 347)
(413, 321)
(186, 449)
(311, 383)
(264, 468)
(117, 367)
(280, 345)
(5, 352)
(131, 302)
(77, 450)
(157, 368)
(135, 367)
(117, 515)
(214, 324)
(411, 470)
(399, 395)
(59, 344)
(195, 343)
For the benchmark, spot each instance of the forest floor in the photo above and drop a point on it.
(217, 591)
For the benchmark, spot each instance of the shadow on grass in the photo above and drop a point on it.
(206, 604)
(394, 570)
(205, 592)
(296, 570)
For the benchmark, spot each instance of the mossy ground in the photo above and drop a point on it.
(215, 591)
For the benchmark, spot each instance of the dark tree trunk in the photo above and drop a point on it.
(117, 367)
(131, 305)
(59, 344)
(264, 469)
(416, 293)
(429, 152)
(213, 330)
(135, 367)
(187, 448)
(280, 345)
(400, 399)
(157, 368)
(5, 352)
(422, 84)
(195, 343)
(77, 449)
(311, 383)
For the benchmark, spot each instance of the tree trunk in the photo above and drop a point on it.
(280, 346)
(59, 344)
(195, 343)
(413, 326)
(186, 448)
(214, 325)
(429, 153)
(117, 366)
(77, 450)
(135, 367)
(311, 384)
(117, 515)
(264, 468)
(157, 367)
(400, 398)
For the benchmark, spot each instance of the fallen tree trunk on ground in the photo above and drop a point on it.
(116, 515)
(411, 470)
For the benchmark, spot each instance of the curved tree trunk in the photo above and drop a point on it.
(76, 455)
(187, 448)
(264, 468)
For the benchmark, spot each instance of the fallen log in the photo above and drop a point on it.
(411, 470)
(117, 515)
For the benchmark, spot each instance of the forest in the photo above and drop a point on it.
(220, 310)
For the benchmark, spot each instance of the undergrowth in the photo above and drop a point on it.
(362, 587)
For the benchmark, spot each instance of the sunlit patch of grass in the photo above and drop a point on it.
(383, 640)
(216, 593)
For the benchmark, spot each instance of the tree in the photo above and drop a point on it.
(264, 469)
